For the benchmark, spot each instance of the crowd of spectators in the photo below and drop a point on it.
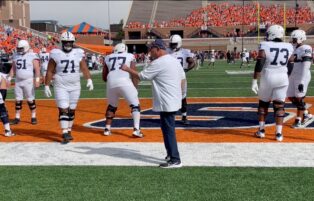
(10, 36)
(228, 14)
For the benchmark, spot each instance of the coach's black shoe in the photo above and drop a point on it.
(167, 158)
(171, 164)
(185, 121)
(66, 138)
(34, 121)
(15, 121)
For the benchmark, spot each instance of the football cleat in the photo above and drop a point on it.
(15, 121)
(8, 133)
(34, 121)
(260, 133)
(66, 138)
(296, 124)
(70, 136)
(137, 133)
(107, 132)
(307, 118)
(279, 137)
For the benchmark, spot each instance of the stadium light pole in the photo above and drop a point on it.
(242, 22)
(108, 6)
(296, 13)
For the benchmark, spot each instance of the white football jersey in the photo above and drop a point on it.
(182, 55)
(116, 76)
(67, 68)
(24, 68)
(277, 54)
(300, 52)
(44, 59)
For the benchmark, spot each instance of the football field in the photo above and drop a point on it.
(222, 160)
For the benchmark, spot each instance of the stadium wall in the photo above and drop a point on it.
(15, 13)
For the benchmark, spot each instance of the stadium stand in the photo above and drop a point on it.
(10, 36)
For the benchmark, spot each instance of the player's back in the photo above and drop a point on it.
(44, 58)
(182, 55)
(302, 52)
(117, 77)
(24, 65)
(277, 55)
(67, 67)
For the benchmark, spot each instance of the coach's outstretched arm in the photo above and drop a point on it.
(133, 72)
(86, 74)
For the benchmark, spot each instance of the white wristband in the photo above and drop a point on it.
(37, 79)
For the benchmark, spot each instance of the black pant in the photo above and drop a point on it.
(168, 130)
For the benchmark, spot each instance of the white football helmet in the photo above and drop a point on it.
(298, 36)
(120, 48)
(22, 47)
(175, 42)
(67, 39)
(275, 31)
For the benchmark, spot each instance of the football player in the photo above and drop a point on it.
(271, 68)
(120, 84)
(25, 67)
(300, 76)
(245, 55)
(5, 68)
(187, 62)
(65, 65)
(44, 58)
(212, 58)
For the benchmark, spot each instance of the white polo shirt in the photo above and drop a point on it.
(166, 75)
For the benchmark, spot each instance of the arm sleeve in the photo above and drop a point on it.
(150, 72)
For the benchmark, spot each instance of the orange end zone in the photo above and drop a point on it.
(48, 130)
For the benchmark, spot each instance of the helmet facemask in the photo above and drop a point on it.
(67, 46)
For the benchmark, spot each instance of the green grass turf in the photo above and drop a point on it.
(148, 183)
(151, 183)
(205, 82)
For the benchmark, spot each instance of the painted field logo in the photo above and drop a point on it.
(202, 116)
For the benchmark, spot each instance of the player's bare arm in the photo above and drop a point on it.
(260, 61)
(134, 79)
(36, 65)
(86, 74)
(191, 63)
(84, 69)
(50, 71)
(105, 72)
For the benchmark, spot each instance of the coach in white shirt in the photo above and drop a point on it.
(166, 75)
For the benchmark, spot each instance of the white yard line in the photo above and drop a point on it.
(151, 154)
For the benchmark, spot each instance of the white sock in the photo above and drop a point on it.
(108, 127)
(278, 128)
(7, 126)
(64, 130)
(261, 125)
(70, 125)
(306, 112)
(136, 115)
(184, 114)
(33, 113)
(18, 114)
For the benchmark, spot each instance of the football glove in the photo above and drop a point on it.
(47, 91)
(90, 85)
(254, 86)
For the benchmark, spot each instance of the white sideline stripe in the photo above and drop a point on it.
(151, 154)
